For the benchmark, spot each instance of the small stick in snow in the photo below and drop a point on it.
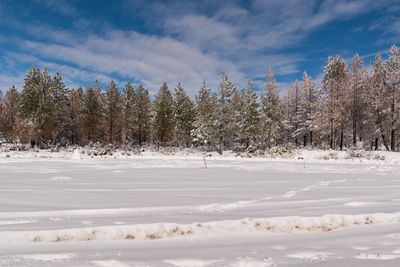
(205, 161)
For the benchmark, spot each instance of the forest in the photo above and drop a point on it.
(354, 106)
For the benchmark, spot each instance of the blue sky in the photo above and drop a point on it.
(152, 41)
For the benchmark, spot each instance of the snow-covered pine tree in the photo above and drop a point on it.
(58, 95)
(128, 120)
(378, 104)
(93, 113)
(184, 116)
(335, 85)
(357, 96)
(271, 113)
(164, 115)
(205, 104)
(247, 115)
(141, 115)
(392, 83)
(8, 115)
(309, 107)
(224, 123)
(74, 111)
(2, 122)
(294, 114)
(112, 113)
(37, 107)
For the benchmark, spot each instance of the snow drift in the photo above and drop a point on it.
(290, 224)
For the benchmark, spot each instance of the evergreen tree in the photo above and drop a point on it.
(164, 115)
(271, 116)
(37, 106)
(294, 113)
(392, 83)
(75, 116)
(335, 84)
(358, 78)
(58, 96)
(309, 108)
(128, 123)
(225, 124)
(379, 103)
(92, 112)
(2, 123)
(112, 113)
(247, 115)
(8, 115)
(203, 125)
(141, 115)
(184, 116)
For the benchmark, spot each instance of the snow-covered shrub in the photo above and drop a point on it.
(284, 151)
(331, 155)
(354, 153)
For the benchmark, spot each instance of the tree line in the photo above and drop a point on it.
(353, 107)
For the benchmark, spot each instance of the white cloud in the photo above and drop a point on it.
(195, 41)
(152, 59)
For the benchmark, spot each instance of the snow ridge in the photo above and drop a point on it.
(290, 224)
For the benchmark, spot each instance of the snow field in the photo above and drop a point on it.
(172, 211)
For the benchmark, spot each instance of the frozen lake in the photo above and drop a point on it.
(175, 212)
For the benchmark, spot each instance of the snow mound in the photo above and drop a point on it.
(311, 256)
(60, 178)
(376, 256)
(191, 262)
(12, 222)
(76, 155)
(357, 204)
(50, 257)
(253, 263)
(156, 231)
(110, 263)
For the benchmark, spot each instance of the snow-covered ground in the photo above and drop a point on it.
(311, 209)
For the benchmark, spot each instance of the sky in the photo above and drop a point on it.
(154, 41)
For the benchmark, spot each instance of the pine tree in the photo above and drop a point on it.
(392, 83)
(294, 113)
(37, 107)
(112, 113)
(203, 124)
(75, 116)
(184, 116)
(378, 103)
(58, 96)
(128, 123)
(141, 115)
(309, 108)
(2, 122)
(247, 115)
(358, 78)
(164, 115)
(8, 115)
(271, 117)
(225, 124)
(335, 84)
(93, 112)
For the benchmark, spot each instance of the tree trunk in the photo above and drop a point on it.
(311, 138)
(341, 139)
(393, 139)
(376, 143)
(332, 136)
(221, 145)
(385, 142)
(354, 132)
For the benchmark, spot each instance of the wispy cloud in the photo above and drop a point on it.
(185, 42)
